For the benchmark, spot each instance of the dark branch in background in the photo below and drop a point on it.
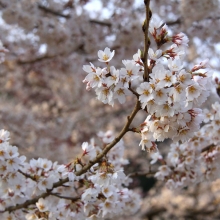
(3, 5)
(170, 23)
(58, 13)
(180, 21)
(102, 23)
(37, 59)
(51, 11)
(124, 130)
(154, 211)
(80, 49)
(147, 173)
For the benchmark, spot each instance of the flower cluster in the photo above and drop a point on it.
(197, 159)
(172, 95)
(111, 83)
(94, 186)
(97, 194)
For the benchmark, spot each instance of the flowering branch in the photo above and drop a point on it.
(92, 184)
(26, 203)
(124, 130)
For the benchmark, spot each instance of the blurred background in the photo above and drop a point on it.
(45, 105)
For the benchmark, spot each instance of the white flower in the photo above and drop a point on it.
(166, 79)
(101, 179)
(107, 137)
(137, 57)
(178, 93)
(114, 78)
(31, 216)
(106, 55)
(108, 191)
(42, 205)
(89, 150)
(160, 96)
(90, 194)
(130, 70)
(89, 68)
(173, 157)
(145, 144)
(45, 164)
(145, 92)
(193, 91)
(184, 77)
(94, 78)
(165, 170)
(165, 110)
(154, 55)
(120, 93)
(155, 156)
(46, 183)
(107, 207)
(175, 65)
(4, 135)
(105, 95)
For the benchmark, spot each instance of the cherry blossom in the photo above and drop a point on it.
(106, 55)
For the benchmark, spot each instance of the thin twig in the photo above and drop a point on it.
(134, 92)
(27, 175)
(53, 12)
(177, 21)
(73, 199)
(26, 204)
(102, 23)
(147, 173)
(57, 13)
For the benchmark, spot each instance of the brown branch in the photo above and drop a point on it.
(102, 23)
(124, 130)
(37, 59)
(73, 199)
(146, 40)
(177, 21)
(154, 211)
(134, 92)
(57, 13)
(27, 175)
(114, 142)
(51, 11)
(209, 147)
(26, 204)
(135, 174)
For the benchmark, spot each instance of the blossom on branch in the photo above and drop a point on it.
(106, 55)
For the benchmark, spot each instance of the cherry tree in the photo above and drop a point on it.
(167, 87)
